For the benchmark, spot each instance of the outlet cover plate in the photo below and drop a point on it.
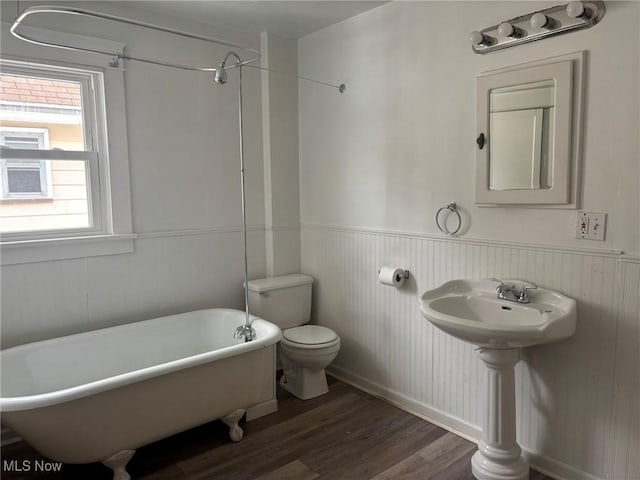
(591, 225)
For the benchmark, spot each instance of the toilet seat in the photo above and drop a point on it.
(310, 336)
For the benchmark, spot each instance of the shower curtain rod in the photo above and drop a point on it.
(342, 87)
(121, 55)
(117, 56)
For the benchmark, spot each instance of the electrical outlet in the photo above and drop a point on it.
(591, 225)
(583, 226)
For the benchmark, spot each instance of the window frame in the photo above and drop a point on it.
(109, 156)
(94, 155)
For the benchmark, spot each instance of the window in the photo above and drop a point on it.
(46, 113)
(64, 188)
(24, 179)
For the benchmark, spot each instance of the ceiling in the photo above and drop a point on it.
(288, 19)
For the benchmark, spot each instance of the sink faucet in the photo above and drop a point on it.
(513, 293)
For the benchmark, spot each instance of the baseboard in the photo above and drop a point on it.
(555, 469)
(8, 436)
(430, 414)
(543, 464)
(262, 409)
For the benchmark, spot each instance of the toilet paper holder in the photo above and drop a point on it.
(406, 274)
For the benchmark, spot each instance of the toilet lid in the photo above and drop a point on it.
(310, 334)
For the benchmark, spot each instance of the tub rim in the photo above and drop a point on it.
(28, 402)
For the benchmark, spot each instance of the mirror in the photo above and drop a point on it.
(528, 117)
(521, 123)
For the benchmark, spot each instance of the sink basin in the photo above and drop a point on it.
(470, 310)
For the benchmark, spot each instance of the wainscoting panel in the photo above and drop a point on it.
(577, 400)
(625, 426)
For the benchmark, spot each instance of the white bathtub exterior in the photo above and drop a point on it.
(147, 380)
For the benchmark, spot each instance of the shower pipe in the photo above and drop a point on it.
(243, 331)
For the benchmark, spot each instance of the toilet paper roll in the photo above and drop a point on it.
(391, 276)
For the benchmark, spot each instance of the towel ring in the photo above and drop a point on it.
(449, 208)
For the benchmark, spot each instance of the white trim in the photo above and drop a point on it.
(629, 259)
(198, 231)
(277, 228)
(471, 241)
(31, 251)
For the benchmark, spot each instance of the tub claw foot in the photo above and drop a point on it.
(231, 421)
(118, 463)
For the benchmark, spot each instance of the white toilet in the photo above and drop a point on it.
(305, 350)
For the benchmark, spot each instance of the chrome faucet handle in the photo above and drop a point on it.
(245, 331)
(502, 287)
(523, 296)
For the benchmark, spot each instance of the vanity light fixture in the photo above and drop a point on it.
(538, 25)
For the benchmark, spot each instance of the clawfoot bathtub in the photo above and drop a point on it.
(98, 396)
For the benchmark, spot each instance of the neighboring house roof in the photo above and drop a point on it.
(22, 89)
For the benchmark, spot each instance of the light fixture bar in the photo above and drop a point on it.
(538, 25)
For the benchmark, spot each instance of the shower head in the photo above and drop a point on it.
(220, 76)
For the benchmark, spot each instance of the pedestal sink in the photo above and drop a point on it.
(470, 310)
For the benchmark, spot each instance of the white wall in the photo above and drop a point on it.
(280, 148)
(399, 143)
(377, 162)
(185, 192)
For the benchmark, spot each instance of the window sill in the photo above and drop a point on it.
(31, 251)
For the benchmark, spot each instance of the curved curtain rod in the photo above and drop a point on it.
(121, 55)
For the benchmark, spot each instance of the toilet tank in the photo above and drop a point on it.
(283, 300)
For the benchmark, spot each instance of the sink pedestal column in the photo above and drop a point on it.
(499, 455)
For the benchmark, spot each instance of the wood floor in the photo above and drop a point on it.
(345, 434)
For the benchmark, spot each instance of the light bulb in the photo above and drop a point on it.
(575, 9)
(476, 38)
(505, 29)
(539, 20)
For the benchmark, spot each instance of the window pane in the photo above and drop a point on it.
(21, 142)
(67, 205)
(41, 113)
(24, 180)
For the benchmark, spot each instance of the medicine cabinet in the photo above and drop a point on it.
(528, 133)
